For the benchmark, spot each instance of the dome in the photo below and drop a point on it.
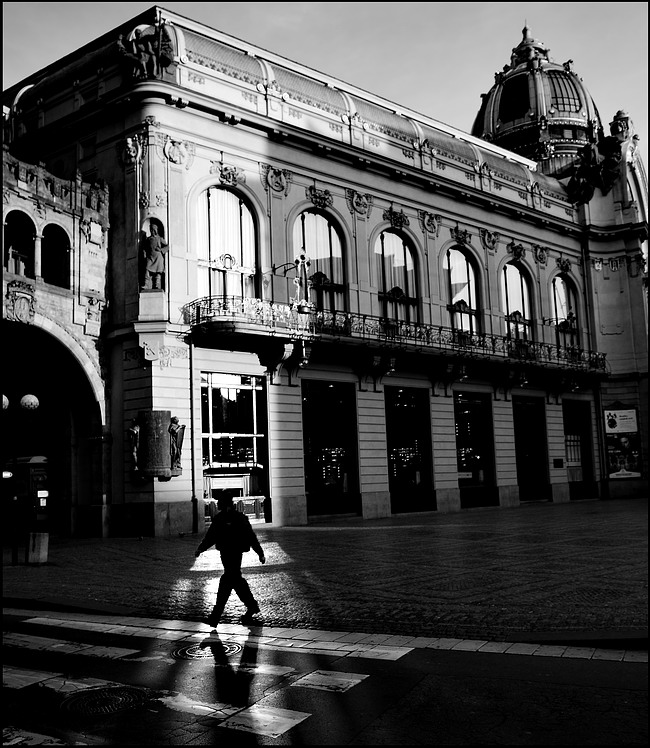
(539, 109)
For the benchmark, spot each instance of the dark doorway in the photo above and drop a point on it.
(529, 415)
(475, 450)
(578, 444)
(408, 441)
(331, 455)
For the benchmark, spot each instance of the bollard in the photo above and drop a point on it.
(37, 548)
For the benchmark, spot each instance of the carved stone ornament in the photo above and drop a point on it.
(20, 302)
(230, 175)
(279, 180)
(179, 152)
(430, 224)
(358, 203)
(145, 52)
(489, 239)
(397, 219)
(540, 254)
(131, 151)
(462, 236)
(563, 264)
(516, 250)
(320, 198)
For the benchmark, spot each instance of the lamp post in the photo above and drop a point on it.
(27, 494)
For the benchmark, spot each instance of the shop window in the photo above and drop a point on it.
(19, 244)
(55, 256)
(227, 244)
(396, 272)
(462, 292)
(474, 439)
(317, 239)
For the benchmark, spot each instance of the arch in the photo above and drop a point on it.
(566, 309)
(398, 269)
(463, 287)
(20, 244)
(55, 256)
(516, 299)
(90, 367)
(318, 238)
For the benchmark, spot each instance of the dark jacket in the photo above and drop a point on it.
(231, 531)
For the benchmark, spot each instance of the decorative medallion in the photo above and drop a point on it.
(20, 302)
(540, 254)
(430, 224)
(279, 180)
(358, 203)
(229, 175)
(563, 264)
(489, 239)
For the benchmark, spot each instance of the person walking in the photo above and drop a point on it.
(232, 535)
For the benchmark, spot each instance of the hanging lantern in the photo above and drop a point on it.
(5, 402)
(29, 402)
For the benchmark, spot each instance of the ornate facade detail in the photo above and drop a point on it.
(489, 239)
(145, 53)
(461, 236)
(278, 180)
(397, 219)
(320, 198)
(540, 254)
(20, 302)
(179, 152)
(144, 200)
(429, 223)
(516, 250)
(563, 264)
(358, 203)
(131, 151)
(228, 175)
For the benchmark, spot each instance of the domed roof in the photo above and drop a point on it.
(539, 109)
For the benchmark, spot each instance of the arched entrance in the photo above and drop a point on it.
(63, 425)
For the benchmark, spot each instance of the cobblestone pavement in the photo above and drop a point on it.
(532, 573)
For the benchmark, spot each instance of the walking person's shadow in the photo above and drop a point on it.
(233, 682)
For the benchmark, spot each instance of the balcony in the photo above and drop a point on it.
(248, 316)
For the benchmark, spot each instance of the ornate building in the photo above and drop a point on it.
(312, 300)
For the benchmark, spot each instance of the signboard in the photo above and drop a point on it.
(623, 443)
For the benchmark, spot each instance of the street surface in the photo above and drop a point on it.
(506, 627)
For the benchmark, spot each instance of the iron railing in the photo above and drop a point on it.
(260, 316)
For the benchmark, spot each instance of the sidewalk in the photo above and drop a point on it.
(541, 573)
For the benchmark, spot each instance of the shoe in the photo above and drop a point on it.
(212, 620)
(248, 616)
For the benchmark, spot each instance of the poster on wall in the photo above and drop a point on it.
(623, 443)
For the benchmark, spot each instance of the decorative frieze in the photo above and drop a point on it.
(358, 203)
(320, 198)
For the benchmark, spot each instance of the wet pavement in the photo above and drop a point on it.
(524, 626)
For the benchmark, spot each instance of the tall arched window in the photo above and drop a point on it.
(565, 312)
(462, 291)
(19, 244)
(55, 256)
(397, 278)
(227, 245)
(317, 238)
(516, 302)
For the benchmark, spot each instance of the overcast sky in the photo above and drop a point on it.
(433, 58)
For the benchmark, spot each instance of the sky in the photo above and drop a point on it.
(433, 58)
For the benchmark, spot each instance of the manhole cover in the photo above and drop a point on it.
(202, 651)
(108, 700)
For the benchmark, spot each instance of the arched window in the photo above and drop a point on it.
(462, 291)
(316, 237)
(397, 279)
(565, 312)
(55, 256)
(516, 302)
(19, 244)
(227, 245)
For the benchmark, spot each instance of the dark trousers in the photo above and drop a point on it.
(232, 579)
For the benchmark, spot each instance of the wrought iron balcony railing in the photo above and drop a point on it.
(259, 316)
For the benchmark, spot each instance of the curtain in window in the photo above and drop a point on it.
(516, 302)
(317, 238)
(396, 276)
(565, 312)
(462, 291)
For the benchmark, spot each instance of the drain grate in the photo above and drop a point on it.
(106, 700)
(202, 652)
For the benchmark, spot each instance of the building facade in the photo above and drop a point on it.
(249, 277)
